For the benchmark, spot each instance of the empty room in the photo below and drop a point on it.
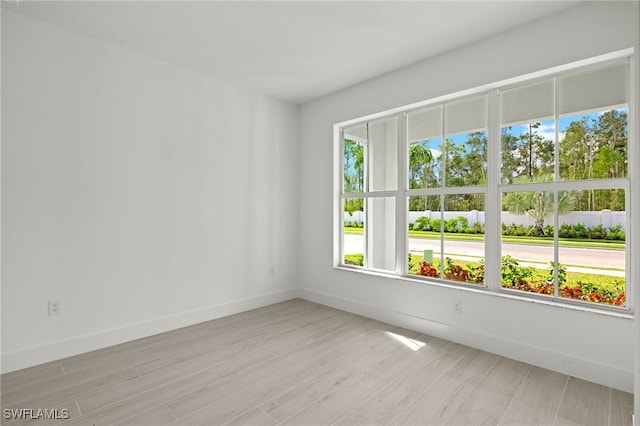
(318, 212)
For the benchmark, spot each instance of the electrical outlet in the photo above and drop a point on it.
(457, 306)
(55, 306)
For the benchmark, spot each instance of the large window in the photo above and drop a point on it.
(520, 188)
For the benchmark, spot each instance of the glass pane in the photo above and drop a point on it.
(594, 145)
(592, 249)
(424, 236)
(381, 233)
(353, 232)
(527, 133)
(382, 157)
(463, 226)
(424, 132)
(527, 245)
(425, 164)
(466, 159)
(465, 147)
(527, 152)
(353, 159)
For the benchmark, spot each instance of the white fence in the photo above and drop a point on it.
(606, 218)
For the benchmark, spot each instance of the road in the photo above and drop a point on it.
(580, 258)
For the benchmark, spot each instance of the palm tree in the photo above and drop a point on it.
(538, 204)
(420, 158)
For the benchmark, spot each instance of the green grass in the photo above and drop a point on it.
(354, 259)
(564, 242)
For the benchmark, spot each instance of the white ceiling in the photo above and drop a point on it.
(292, 50)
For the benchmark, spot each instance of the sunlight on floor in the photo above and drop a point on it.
(412, 344)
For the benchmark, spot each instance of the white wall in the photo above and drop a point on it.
(586, 344)
(122, 179)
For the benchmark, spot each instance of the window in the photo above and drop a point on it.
(447, 177)
(369, 178)
(520, 188)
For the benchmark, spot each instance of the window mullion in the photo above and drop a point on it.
(402, 233)
(493, 205)
(339, 257)
(556, 172)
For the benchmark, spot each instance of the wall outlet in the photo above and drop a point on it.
(55, 306)
(457, 306)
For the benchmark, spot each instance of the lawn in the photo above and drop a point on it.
(564, 242)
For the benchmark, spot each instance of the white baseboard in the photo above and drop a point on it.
(54, 351)
(583, 368)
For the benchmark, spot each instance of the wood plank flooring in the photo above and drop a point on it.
(300, 363)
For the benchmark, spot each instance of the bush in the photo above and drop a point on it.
(580, 230)
(564, 231)
(477, 228)
(597, 232)
(422, 224)
(463, 222)
(514, 275)
(548, 230)
(616, 233)
(451, 225)
(515, 230)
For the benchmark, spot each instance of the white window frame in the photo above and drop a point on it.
(493, 189)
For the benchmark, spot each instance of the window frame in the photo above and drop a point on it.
(494, 188)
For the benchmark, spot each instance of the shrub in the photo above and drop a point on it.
(580, 230)
(562, 274)
(514, 275)
(476, 273)
(597, 232)
(565, 231)
(463, 222)
(428, 270)
(616, 233)
(548, 230)
(422, 224)
(451, 225)
(477, 228)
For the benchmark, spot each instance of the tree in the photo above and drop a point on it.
(476, 158)
(423, 166)
(610, 130)
(510, 162)
(353, 172)
(420, 164)
(538, 204)
(353, 164)
(595, 147)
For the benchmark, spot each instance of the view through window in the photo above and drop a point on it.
(421, 189)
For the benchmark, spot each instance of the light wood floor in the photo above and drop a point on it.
(299, 363)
